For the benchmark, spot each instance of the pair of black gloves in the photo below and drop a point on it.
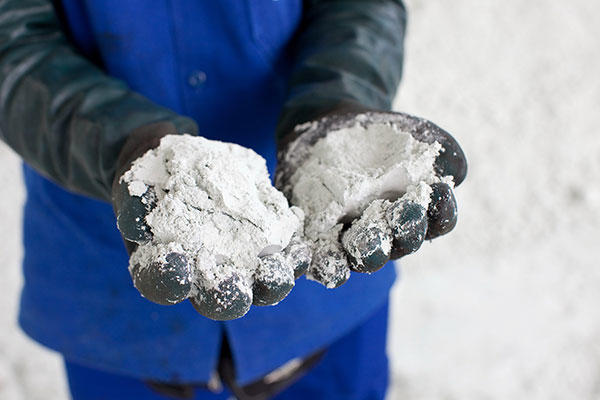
(163, 283)
(83, 129)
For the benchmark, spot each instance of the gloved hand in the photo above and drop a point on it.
(386, 225)
(172, 271)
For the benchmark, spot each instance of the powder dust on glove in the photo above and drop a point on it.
(214, 204)
(353, 175)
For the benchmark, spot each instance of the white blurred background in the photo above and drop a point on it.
(507, 305)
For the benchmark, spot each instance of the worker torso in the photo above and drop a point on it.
(224, 63)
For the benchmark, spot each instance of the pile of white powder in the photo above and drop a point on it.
(337, 179)
(215, 204)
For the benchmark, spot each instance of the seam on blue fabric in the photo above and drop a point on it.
(261, 49)
(176, 57)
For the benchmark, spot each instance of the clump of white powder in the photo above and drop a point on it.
(350, 167)
(216, 205)
(356, 168)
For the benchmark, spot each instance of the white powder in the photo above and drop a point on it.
(337, 179)
(350, 167)
(215, 204)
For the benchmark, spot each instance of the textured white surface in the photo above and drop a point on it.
(350, 167)
(27, 370)
(505, 307)
(215, 204)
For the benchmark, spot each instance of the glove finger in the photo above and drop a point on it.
(298, 255)
(451, 160)
(165, 277)
(329, 265)
(442, 212)
(409, 226)
(273, 280)
(368, 244)
(228, 299)
(132, 212)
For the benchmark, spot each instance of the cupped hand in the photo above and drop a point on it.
(190, 235)
(384, 210)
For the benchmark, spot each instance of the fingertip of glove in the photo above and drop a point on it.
(370, 263)
(442, 213)
(273, 280)
(227, 301)
(299, 255)
(369, 250)
(329, 266)
(409, 226)
(164, 283)
(452, 161)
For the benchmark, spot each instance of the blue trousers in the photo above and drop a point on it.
(355, 367)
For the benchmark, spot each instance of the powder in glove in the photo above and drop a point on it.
(216, 206)
(356, 174)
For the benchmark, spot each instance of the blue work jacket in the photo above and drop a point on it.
(224, 64)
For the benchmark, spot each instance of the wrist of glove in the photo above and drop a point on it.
(360, 211)
(189, 238)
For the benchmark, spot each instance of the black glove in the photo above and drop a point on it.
(173, 278)
(410, 223)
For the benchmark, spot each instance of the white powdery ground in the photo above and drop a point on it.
(505, 307)
(27, 370)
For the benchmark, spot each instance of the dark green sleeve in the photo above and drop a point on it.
(347, 54)
(64, 116)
